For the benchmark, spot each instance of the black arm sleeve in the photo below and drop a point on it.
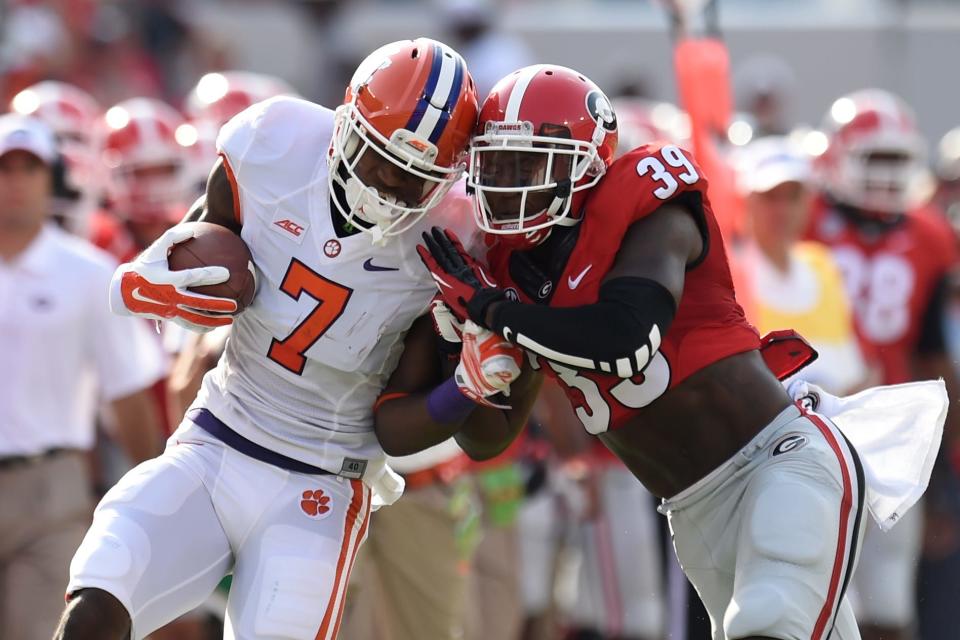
(932, 340)
(617, 334)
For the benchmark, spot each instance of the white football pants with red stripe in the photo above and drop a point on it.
(770, 539)
(173, 527)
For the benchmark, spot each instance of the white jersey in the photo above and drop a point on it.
(306, 361)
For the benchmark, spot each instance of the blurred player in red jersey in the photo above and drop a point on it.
(613, 277)
(147, 188)
(895, 255)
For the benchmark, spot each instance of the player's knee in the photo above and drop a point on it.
(756, 611)
(93, 614)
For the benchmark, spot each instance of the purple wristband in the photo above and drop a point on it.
(446, 405)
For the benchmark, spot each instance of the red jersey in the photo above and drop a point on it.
(708, 326)
(109, 234)
(891, 274)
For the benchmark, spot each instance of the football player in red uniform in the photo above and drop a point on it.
(614, 278)
(895, 255)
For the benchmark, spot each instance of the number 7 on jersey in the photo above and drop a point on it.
(331, 299)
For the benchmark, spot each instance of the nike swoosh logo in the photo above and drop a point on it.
(136, 295)
(369, 266)
(573, 283)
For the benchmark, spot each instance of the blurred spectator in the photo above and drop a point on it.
(411, 576)
(33, 45)
(495, 606)
(491, 53)
(73, 115)
(948, 177)
(62, 350)
(794, 284)
(109, 59)
(764, 86)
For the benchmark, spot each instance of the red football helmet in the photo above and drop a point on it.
(146, 163)
(219, 96)
(215, 99)
(875, 158)
(545, 133)
(72, 114)
(411, 103)
(642, 121)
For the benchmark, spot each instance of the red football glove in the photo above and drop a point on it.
(464, 284)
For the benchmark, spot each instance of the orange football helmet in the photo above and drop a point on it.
(412, 104)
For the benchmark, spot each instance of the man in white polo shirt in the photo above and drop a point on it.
(61, 353)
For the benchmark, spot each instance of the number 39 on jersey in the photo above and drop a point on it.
(668, 181)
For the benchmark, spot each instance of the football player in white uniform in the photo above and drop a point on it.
(273, 473)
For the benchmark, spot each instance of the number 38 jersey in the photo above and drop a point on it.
(891, 273)
(709, 324)
(306, 361)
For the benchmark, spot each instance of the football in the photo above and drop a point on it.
(215, 245)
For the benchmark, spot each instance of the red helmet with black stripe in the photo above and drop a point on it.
(410, 107)
(545, 132)
(146, 164)
(875, 159)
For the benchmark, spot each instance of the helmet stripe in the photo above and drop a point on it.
(512, 112)
(424, 102)
(452, 97)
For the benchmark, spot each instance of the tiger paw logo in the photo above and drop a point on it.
(315, 504)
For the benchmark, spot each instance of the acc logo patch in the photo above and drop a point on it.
(792, 442)
(599, 107)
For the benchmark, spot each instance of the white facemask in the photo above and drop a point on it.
(369, 205)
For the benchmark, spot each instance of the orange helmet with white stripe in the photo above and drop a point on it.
(401, 135)
(146, 164)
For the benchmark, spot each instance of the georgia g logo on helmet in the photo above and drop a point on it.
(602, 111)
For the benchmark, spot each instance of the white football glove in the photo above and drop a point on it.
(447, 326)
(488, 365)
(147, 287)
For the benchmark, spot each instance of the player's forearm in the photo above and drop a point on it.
(487, 432)
(137, 424)
(617, 334)
(404, 425)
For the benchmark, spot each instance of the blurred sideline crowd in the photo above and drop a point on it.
(539, 543)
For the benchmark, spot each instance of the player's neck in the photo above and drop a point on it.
(16, 240)
(777, 253)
